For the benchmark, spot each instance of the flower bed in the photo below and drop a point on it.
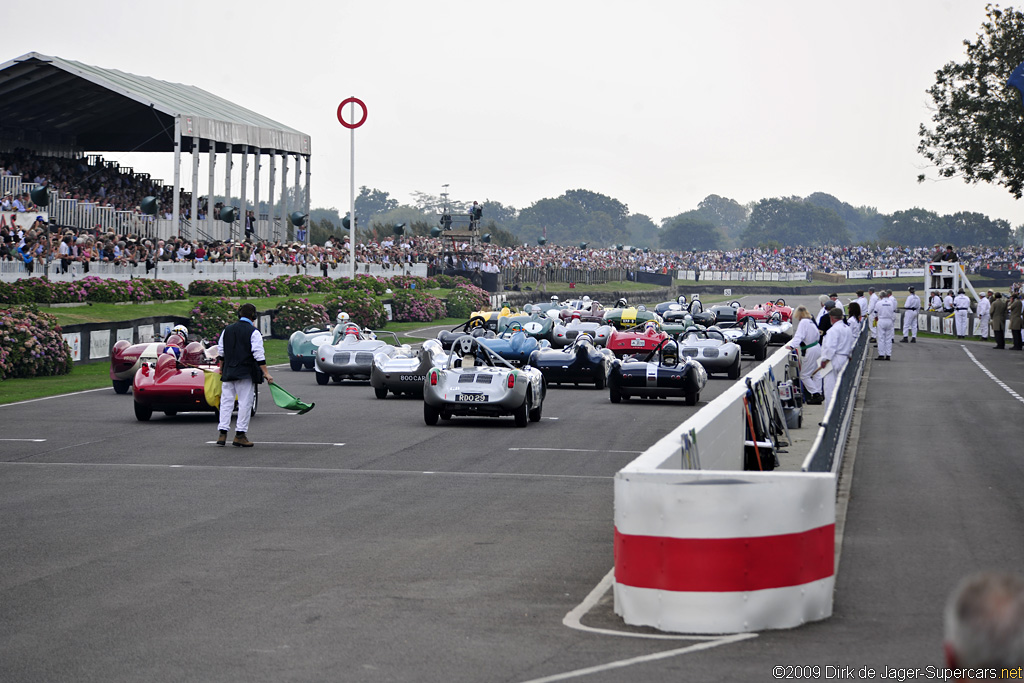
(31, 344)
(90, 288)
(413, 305)
(465, 299)
(296, 314)
(210, 317)
(366, 283)
(362, 307)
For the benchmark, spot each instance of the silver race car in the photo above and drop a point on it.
(476, 381)
(711, 349)
(352, 356)
(565, 332)
(404, 372)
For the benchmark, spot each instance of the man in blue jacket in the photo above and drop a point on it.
(243, 366)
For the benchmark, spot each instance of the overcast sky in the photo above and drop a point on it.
(657, 104)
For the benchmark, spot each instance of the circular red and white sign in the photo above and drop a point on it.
(351, 100)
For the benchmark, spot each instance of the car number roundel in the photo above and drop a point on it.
(533, 327)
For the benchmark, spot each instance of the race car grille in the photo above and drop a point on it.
(340, 358)
(466, 378)
(364, 357)
(483, 379)
(711, 353)
(689, 353)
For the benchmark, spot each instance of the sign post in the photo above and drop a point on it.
(352, 125)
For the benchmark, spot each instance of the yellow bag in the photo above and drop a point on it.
(211, 388)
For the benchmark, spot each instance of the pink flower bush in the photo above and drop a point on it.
(31, 344)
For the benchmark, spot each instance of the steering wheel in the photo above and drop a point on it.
(780, 302)
(656, 351)
(514, 326)
(475, 321)
(776, 317)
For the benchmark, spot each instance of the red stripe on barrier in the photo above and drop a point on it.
(723, 565)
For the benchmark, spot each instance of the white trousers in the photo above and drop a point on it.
(886, 333)
(910, 324)
(983, 325)
(960, 318)
(809, 363)
(245, 391)
(838, 363)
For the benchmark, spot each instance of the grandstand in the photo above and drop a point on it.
(58, 116)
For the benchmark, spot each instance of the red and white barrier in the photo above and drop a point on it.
(723, 550)
(716, 552)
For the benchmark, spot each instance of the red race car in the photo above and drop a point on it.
(640, 339)
(171, 386)
(127, 358)
(762, 312)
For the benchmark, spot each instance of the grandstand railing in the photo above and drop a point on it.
(594, 276)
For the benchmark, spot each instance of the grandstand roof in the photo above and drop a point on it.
(63, 102)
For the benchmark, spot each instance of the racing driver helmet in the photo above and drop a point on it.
(650, 326)
(670, 353)
(181, 331)
(343, 317)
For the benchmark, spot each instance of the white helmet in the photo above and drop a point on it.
(554, 299)
(586, 299)
(342, 317)
(180, 330)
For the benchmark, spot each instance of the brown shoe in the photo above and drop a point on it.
(222, 438)
(241, 440)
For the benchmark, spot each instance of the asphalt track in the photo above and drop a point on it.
(355, 543)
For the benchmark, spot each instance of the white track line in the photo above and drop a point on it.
(991, 376)
(47, 398)
(32, 440)
(724, 640)
(300, 470)
(572, 450)
(572, 619)
(295, 443)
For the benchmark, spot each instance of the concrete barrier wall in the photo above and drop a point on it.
(720, 550)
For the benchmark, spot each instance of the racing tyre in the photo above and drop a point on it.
(309, 364)
(322, 378)
(600, 381)
(121, 386)
(761, 354)
(255, 401)
(535, 413)
(445, 415)
(296, 364)
(522, 413)
(337, 379)
(615, 396)
(430, 414)
(734, 371)
(143, 412)
(380, 392)
(691, 399)
(170, 413)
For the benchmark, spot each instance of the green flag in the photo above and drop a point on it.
(285, 400)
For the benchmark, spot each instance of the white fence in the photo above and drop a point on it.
(799, 276)
(720, 550)
(185, 273)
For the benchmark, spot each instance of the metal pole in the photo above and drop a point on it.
(256, 191)
(176, 192)
(209, 199)
(284, 192)
(227, 191)
(352, 196)
(270, 197)
(245, 177)
(194, 206)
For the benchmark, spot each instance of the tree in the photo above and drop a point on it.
(793, 221)
(369, 203)
(643, 232)
(687, 233)
(727, 214)
(862, 223)
(913, 228)
(978, 132)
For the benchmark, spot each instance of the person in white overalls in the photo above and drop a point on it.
(910, 309)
